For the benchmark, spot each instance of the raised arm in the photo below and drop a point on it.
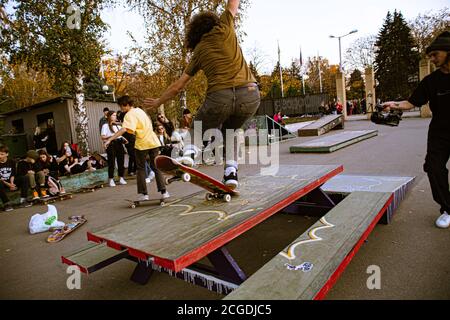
(174, 89)
(400, 105)
(233, 6)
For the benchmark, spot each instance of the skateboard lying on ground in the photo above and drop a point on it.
(217, 190)
(52, 199)
(137, 203)
(59, 233)
(92, 187)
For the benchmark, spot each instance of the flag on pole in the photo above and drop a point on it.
(301, 58)
(281, 72)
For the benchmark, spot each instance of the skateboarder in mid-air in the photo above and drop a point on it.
(435, 89)
(232, 95)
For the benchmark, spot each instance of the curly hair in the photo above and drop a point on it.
(201, 24)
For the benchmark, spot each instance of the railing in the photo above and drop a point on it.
(276, 132)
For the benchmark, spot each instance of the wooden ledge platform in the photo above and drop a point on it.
(309, 266)
(322, 126)
(333, 143)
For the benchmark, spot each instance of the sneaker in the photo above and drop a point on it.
(165, 195)
(122, 181)
(147, 180)
(24, 203)
(35, 195)
(8, 208)
(143, 197)
(187, 161)
(62, 191)
(230, 178)
(44, 194)
(112, 183)
(443, 221)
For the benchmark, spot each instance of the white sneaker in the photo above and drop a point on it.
(166, 195)
(147, 180)
(187, 161)
(112, 183)
(143, 197)
(151, 176)
(230, 178)
(443, 221)
(122, 181)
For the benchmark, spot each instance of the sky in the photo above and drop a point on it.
(292, 23)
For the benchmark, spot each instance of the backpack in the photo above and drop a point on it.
(54, 186)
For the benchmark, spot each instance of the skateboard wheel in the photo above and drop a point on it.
(186, 177)
(209, 196)
(162, 203)
(133, 206)
(168, 181)
(227, 198)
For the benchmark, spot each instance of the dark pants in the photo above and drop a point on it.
(131, 152)
(3, 190)
(23, 183)
(79, 168)
(141, 175)
(228, 109)
(438, 154)
(115, 151)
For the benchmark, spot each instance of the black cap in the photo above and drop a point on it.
(441, 43)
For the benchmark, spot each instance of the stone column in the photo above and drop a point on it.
(369, 79)
(340, 91)
(424, 70)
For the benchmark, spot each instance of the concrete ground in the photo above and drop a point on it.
(413, 254)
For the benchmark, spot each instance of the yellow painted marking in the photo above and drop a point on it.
(290, 252)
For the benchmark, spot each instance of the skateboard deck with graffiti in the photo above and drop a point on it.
(60, 233)
(215, 188)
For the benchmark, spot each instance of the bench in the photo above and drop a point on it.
(311, 265)
(93, 257)
(71, 183)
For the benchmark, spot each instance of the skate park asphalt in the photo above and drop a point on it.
(413, 255)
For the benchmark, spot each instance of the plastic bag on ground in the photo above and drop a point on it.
(43, 222)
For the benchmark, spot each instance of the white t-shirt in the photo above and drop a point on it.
(106, 131)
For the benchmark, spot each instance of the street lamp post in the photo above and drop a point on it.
(339, 38)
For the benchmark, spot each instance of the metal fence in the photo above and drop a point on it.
(293, 106)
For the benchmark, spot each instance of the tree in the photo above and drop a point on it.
(328, 75)
(166, 22)
(356, 86)
(21, 87)
(63, 38)
(257, 58)
(425, 27)
(360, 54)
(397, 59)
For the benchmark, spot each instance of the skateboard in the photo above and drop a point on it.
(52, 199)
(60, 233)
(215, 188)
(92, 187)
(137, 203)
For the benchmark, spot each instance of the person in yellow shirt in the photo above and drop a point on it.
(232, 96)
(138, 123)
